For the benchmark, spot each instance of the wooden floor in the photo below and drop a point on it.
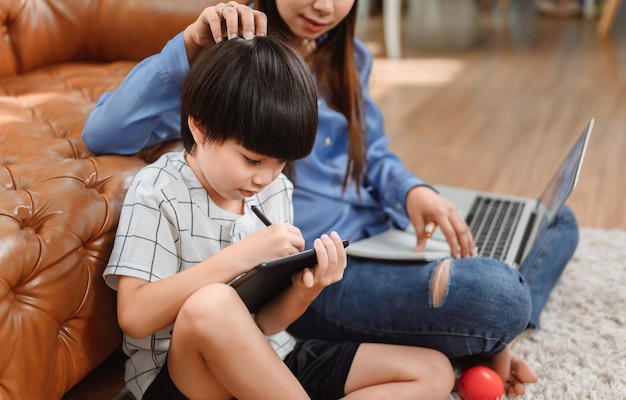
(502, 114)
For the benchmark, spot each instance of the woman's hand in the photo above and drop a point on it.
(425, 206)
(331, 263)
(224, 20)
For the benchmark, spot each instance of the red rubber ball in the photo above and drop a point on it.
(480, 383)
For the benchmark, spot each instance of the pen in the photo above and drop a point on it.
(261, 216)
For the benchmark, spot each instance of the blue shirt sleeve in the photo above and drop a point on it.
(387, 174)
(145, 109)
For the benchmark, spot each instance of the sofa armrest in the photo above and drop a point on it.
(44, 32)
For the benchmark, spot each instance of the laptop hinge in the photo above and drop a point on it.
(521, 252)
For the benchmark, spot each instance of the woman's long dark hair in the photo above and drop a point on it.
(334, 64)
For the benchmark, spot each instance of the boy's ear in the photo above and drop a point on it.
(197, 130)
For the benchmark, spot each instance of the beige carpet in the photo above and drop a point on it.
(580, 352)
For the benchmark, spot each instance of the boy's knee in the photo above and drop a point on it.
(441, 375)
(210, 306)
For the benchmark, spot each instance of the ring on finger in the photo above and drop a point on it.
(227, 5)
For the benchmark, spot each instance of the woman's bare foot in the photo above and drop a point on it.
(514, 371)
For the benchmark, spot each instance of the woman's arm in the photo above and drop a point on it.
(408, 198)
(386, 172)
(145, 109)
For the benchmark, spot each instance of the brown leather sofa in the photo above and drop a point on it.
(59, 204)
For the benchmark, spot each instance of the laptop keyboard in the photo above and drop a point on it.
(493, 222)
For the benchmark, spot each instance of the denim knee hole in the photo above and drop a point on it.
(439, 283)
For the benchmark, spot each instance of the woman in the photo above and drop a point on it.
(351, 183)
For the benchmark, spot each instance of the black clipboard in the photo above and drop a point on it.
(259, 285)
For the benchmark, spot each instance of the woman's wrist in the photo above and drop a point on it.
(192, 48)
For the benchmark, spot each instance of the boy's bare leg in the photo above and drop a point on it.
(514, 371)
(218, 352)
(383, 371)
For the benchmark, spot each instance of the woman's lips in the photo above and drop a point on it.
(313, 26)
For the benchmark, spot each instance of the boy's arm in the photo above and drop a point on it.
(288, 306)
(146, 307)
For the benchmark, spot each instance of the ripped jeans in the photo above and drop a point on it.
(464, 307)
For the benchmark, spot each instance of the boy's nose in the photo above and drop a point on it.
(264, 177)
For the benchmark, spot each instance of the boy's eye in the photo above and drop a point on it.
(251, 161)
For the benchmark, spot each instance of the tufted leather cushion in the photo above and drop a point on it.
(35, 33)
(59, 204)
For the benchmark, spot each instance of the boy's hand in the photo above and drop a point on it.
(285, 308)
(331, 262)
(224, 20)
(277, 240)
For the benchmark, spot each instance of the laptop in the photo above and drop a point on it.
(504, 227)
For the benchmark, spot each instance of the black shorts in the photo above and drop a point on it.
(321, 367)
(162, 387)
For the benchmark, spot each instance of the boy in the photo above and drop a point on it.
(248, 108)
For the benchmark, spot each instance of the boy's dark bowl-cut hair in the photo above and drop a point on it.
(258, 92)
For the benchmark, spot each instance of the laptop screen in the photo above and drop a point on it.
(564, 181)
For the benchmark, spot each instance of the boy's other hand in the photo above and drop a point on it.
(331, 263)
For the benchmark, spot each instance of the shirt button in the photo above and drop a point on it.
(328, 141)
(398, 206)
